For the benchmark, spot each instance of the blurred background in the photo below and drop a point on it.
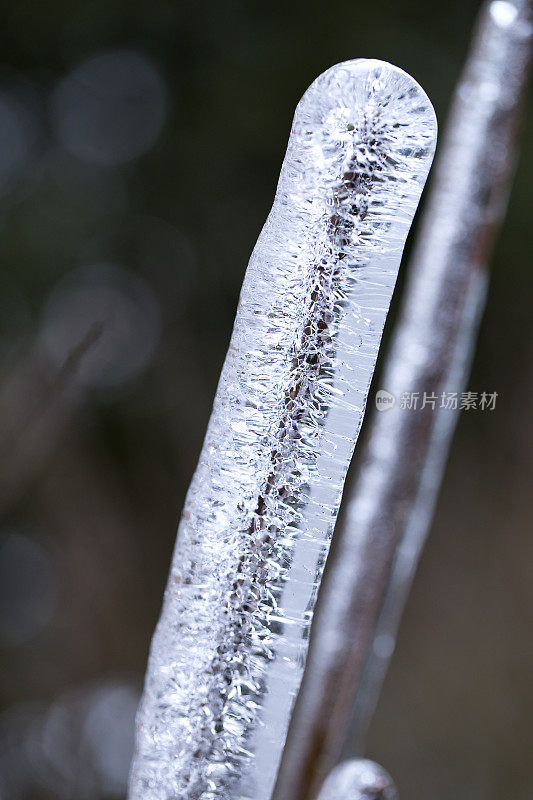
(140, 145)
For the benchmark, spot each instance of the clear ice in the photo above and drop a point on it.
(230, 647)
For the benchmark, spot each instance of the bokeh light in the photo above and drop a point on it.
(79, 746)
(110, 108)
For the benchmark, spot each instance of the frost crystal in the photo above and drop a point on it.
(229, 650)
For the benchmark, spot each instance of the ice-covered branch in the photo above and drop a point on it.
(392, 500)
(228, 654)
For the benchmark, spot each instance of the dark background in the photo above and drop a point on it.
(140, 145)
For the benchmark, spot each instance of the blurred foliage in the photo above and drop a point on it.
(140, 145)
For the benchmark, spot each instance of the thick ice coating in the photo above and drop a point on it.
(228, 654)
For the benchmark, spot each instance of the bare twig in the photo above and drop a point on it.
(393, 498)
(36, 405)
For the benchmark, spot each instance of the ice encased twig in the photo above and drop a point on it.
(229, 650)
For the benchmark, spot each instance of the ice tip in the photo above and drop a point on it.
(361, 86)
(358, 779)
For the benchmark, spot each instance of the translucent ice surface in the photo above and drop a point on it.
(229, 651)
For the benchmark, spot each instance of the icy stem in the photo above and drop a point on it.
(229, 650)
